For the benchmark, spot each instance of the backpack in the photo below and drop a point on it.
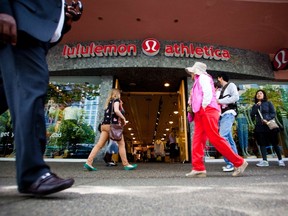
(233, 106)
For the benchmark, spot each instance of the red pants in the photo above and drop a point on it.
(206, 126)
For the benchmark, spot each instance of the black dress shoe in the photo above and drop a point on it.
(47, 184)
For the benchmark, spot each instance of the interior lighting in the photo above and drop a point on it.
(166, 84)
(176, 112)
(170, 122)
(129, 129)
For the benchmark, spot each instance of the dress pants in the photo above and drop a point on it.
(206, 126)
(25, 75)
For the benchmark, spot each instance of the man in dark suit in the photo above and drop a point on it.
(27, 29)
(4, 105)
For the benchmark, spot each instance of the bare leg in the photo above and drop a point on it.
(99, 145)
(122, 152)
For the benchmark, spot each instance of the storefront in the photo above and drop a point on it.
(83, 73)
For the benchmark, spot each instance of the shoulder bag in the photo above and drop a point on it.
(271, 124)
(116, 130)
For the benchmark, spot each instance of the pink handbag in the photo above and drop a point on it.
(190, 117)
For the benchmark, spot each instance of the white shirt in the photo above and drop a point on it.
(57, 33)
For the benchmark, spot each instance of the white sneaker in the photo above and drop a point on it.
(263, 163)
(196, 174)
(228, 168)
(281, 163)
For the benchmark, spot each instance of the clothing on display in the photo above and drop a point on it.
(159, 148)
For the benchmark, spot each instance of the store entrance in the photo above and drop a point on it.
(152, 116)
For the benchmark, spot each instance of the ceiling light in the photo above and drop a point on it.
(129, 128)
(176, 112)
(170, 122)
(132, 134)
(167, 84)
(167, 129)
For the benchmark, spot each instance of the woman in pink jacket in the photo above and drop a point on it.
(206, 115)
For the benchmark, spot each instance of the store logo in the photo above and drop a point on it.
(150, 47)
(280, 61)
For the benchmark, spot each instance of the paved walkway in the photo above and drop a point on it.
(152, 189)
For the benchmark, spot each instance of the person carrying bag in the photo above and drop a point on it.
(116, 117)
(263, 112)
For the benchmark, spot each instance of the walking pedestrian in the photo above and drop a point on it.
(113, 102)
(206, 111)
(227, 99)
(27, 29)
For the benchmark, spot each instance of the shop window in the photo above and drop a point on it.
(70, 115)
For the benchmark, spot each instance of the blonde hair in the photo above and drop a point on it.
(114, 94)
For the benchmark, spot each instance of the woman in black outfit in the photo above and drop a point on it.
(263, 135)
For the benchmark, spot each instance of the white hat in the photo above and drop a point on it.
(198, 68)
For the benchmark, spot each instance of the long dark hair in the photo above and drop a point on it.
(264, 98)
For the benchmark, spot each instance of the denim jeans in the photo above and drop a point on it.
(225, 130)
(242, 131)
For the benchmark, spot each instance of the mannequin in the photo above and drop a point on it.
(242, 130)
(159, 149)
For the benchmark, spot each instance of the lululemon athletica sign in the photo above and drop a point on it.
(280, 61)
(150, 47)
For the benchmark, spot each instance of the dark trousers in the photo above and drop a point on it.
(265, 139)
(25, 76)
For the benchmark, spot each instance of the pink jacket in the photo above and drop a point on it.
(196, 98)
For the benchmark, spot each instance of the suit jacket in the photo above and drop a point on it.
(38, 18)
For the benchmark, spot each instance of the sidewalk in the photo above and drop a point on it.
(152, 189)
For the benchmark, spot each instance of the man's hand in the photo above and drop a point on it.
(74, 11)
(8, 30)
